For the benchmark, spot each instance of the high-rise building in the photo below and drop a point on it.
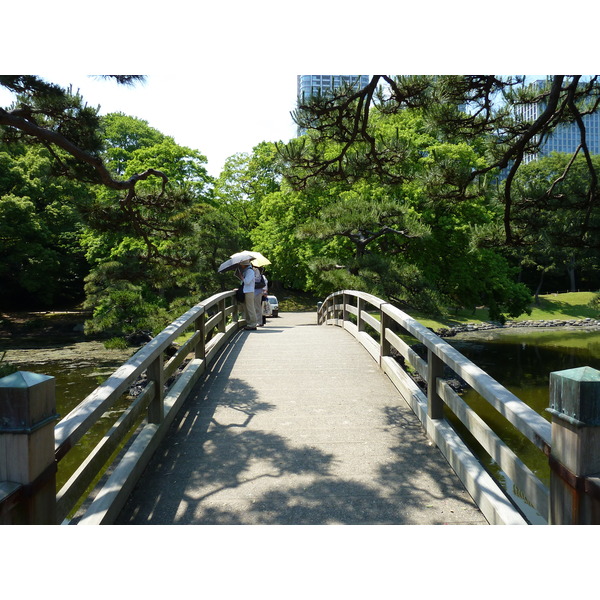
(311, 85)
(566, 137)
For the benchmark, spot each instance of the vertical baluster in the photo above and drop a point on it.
(360, 306)
(200, 350)
(156, 373)
(435, 369)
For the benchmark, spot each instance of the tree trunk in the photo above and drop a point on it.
(539, 289)
(571, 273)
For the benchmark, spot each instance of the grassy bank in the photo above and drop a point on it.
(567, 306)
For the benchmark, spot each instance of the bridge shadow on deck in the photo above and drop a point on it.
(228, 460)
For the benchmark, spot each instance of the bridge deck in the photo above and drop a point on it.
(295, 424)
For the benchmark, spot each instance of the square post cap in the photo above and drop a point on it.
(23, 379)
(27, 401)
(575, 396)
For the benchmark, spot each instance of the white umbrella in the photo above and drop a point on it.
(236, 259)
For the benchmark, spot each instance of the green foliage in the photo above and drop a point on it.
(59, 111)
(418, 235)
(398, 201)
(246, 180)
(124, 308)
(276, 237)
(117, 343)
(123, 135)
(167, 256)
(40, 225)
(555, 219)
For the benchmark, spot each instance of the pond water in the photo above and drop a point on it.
(522, 360)
(78, 368)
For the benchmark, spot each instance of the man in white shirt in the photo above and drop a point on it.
(248, 278)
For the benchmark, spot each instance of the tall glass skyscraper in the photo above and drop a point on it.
(311, 85)
(566, 137)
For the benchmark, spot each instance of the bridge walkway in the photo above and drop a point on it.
(295, 424)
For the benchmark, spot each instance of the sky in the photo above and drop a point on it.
(222, 78)
(217, 124)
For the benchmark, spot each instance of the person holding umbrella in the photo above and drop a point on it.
(260, 287)
(246, 264)
(246, 273)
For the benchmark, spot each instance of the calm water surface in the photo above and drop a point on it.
(522, 360)
(78, 368)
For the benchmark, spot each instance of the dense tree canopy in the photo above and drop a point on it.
(560, 231)
(40, 225)
(131, 209)
(414, 188)
(475, 109)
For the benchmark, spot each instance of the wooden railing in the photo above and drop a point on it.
(136, 433)
(380, 327)
(32, 443)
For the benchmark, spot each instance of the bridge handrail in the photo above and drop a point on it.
(149, 359)
(528, 421)
(74, 425)
(337, 308)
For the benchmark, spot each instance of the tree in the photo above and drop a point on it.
(167, 262)
(245, 181)
(552, 217)
(41, 259)
(457, 108)
(49, 115)
(409, 233)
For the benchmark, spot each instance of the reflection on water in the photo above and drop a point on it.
(522, 360)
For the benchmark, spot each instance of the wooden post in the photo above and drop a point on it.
(435, 369)
(223, 323)
(360, 306)
(156, 373)
(199, 326)
(575, 456)
(385, 348)
(27, 417)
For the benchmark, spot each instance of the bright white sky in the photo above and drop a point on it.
(194, 113)
(222, 76)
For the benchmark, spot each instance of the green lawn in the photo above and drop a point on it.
(568, 306)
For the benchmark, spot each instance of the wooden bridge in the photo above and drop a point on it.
(295, 423)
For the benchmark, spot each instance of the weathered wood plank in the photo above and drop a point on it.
(73, 489)
(70, 429)
(111, 498)
(529, 422)
(186, 348)
(490, 498)
(535, 491)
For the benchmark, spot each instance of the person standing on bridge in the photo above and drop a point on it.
(248, 278)
(260, 285)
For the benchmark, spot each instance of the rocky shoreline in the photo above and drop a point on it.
(471, 327)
